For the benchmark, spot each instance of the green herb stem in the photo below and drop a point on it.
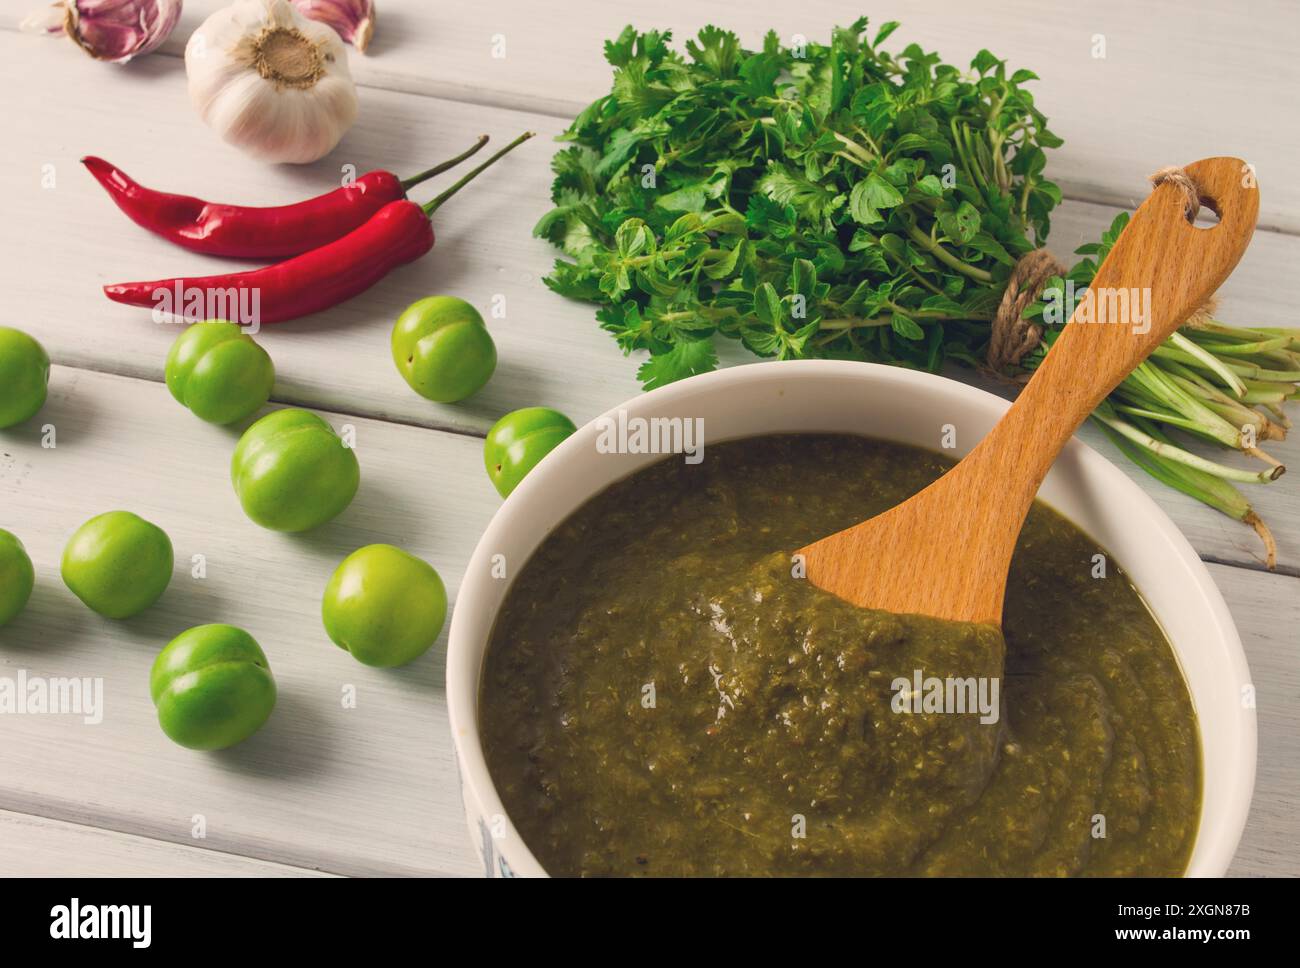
(1208, 360)
(1207, 488)
(947, 258)
(1132, 432)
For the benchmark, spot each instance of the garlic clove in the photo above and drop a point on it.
(109, 30)
(270, 81)
(353, 19)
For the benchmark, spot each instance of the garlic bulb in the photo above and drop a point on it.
(270, 81)
(353, 19)
(108, 30)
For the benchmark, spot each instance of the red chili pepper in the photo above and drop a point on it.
(398, 233)
(246, 232)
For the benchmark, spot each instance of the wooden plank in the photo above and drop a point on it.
(1170, 65)
(72, 239)
(40, 847)
(370, 790)
(1266, 609)
(348, 790)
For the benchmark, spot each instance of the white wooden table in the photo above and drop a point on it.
(371, 789)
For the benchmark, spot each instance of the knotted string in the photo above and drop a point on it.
(1013, 337)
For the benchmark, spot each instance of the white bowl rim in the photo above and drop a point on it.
(462, 704)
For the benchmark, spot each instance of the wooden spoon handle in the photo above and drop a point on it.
(946, 550)
(1160, 271)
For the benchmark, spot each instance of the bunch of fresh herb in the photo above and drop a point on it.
(839, 201)
(836, 201)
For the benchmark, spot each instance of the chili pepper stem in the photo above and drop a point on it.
(409, 183)
(436, 203)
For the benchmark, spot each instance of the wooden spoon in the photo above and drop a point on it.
(946, 551)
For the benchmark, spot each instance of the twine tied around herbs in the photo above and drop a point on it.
(1014, 337)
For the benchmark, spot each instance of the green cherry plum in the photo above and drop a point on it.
(219, 373)
(17, 577)
(24, 376)
(212, 687)
(384, 606)
(443, 349)
(292, 472)
(118, 564)
(518, 441)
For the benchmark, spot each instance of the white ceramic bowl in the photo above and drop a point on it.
(911, 408)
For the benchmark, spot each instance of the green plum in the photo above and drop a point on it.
(24, 376)
(219, 373)
(384, 606)
(519, 440)
(212, 686)
(443, 349)
(118, 564)
(292, 472)
(17, 577)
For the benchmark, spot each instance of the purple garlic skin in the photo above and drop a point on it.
(354, 20)
(109, 30)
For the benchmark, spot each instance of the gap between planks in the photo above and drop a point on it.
(1284, 571)
(253, 849)
(292, 870)
(291, 401)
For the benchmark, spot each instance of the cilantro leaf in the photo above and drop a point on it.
(684, 359)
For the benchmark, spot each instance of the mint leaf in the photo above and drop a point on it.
(929, 186)
(961, 225)
(906, 327)
(767, 304)
(886, 29)
(984, 62)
